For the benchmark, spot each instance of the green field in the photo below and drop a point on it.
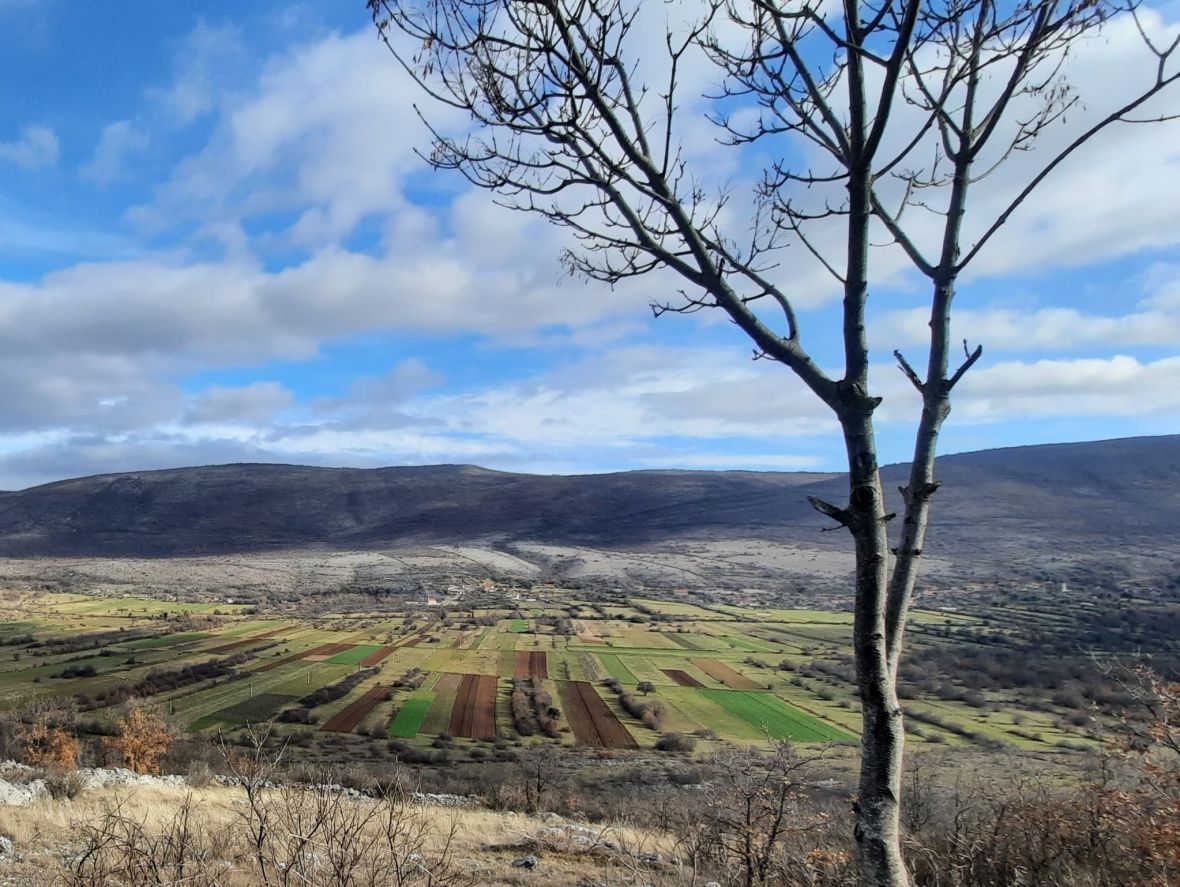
(777, 718)
(355, 655)
(168, 640)
(617, 670)
(408, 720)
(518, 626)
(260, 708)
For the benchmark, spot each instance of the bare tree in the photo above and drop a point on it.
(897, 107)
(755, 811)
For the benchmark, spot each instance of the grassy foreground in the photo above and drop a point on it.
(461, 846)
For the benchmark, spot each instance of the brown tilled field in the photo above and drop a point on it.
(683, 678)
(474, 714)
(719, 671)
(326, 651)
(237, 645)
(347, 719)
(593, 723)
(321, 652)
(532, 664)
(378, 656)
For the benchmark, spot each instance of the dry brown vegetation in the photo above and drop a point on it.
(142, 738)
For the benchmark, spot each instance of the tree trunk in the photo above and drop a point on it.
(883, 737)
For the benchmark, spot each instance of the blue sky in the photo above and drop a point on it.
(217, 244)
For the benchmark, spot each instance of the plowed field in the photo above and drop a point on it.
(474, 714)
(593, 723)
(683, 678)
(347, 719)
(237, 645)
(325, 651)
(532, 664)
(719, 671)
(378, 656)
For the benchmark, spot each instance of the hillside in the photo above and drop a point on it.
(1064, 497)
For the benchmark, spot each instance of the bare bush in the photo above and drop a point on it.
(758, 828)
(315, 835)
(121, 850)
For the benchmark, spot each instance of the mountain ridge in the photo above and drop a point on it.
(1070, 495)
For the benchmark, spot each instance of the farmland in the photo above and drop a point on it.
(722, 672)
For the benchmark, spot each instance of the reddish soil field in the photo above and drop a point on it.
(413, 642)
(719, 671)
(593, 723)
(532, 664)
(683, 678)
(474, 714)
(237, 645)
(378, 656)
(347, 719)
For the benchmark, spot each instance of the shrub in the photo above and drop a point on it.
(65, 786)
(50, 747)
(77, 671)
(338, 690)
(676, 742)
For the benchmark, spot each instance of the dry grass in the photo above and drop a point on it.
(482, 844)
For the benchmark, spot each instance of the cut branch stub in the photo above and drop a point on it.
(836, 513)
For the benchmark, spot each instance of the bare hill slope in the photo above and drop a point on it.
(1063, 496)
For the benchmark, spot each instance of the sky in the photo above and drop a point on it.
(217, 244)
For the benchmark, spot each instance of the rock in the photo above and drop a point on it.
(7, 848)
(439, 799)
(712, 884)
(104, 777)
(21, 794)
(526, 862)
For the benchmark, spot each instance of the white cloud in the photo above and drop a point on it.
(325, 133)
(1042, 329)
(1150, 318)
(1120, 386)
(36, 148)
(253, 404)
(205, 64)
(118, 141)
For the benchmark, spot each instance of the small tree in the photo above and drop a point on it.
(49, 746)
(540, 771)
(45, 734)
(878, 118)
(142, 738)
(645, 687)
